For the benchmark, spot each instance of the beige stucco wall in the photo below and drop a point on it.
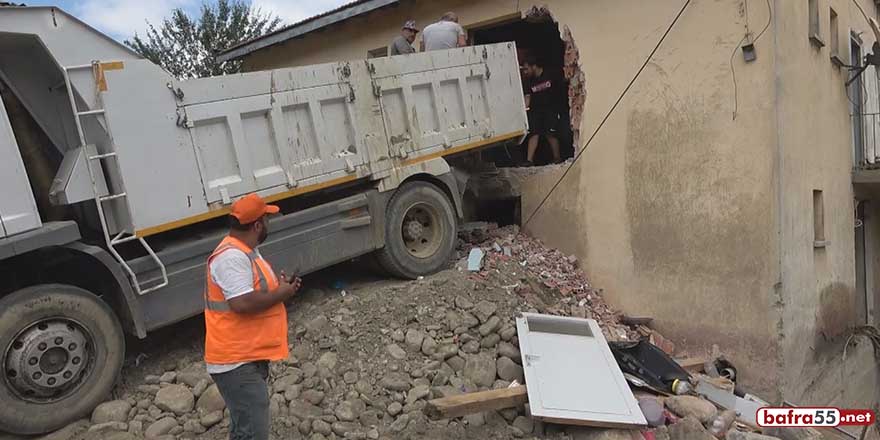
(676, 202)
(678, 210)
(818, 285)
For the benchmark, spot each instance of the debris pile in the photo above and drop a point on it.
(549, 280)
(366, 360)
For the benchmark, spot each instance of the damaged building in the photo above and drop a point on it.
(725, 181)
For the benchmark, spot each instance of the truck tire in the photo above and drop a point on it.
(61, 349)
(420, 230)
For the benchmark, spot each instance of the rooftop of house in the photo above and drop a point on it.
(303, 27)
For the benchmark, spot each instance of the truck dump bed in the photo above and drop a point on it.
(178, 152)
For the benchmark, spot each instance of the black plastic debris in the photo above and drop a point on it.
(648, 363)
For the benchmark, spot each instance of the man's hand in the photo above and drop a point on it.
(257, 301)
(294, 282)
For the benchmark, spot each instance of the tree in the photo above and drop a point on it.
(188, 48)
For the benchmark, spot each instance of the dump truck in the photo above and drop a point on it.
(116, 180)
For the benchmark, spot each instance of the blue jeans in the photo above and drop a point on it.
(246, 392)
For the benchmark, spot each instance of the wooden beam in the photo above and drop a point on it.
(692, 364)
(471, 403)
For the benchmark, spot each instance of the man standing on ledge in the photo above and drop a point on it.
(402, 45)
(245, 318)
(444, 34)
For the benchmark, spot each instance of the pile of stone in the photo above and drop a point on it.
(466, 346)
(365, 361)
(548, 279)
(165, 406)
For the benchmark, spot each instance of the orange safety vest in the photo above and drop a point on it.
(233, 337)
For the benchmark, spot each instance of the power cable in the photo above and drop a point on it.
(733, 75)
(769, 20)
(608, 115)
(739, 45)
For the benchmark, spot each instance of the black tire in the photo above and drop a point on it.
(26, 312)
(399, 257)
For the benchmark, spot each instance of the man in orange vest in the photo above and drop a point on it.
(245, 318)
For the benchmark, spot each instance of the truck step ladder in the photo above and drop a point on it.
(124, 236)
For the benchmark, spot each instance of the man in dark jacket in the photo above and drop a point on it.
(545, 92)
(403, 43)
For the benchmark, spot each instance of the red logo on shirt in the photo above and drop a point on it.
(541, 86)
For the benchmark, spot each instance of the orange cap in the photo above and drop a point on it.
(250, 208)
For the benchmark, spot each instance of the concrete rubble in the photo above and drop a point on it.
(363, 366)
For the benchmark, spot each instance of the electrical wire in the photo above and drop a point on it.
(769, 20)
(746, 3)
(739, 45)
(733, 75)
(608, 115)
(862, 11)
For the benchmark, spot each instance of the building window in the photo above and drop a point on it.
(818, 220)
(815, 34)
(378, 52)
(835, 39)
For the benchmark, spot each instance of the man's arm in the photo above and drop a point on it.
(259, 300)
(233, 272)
(462, 40)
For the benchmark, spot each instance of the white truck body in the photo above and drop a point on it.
(18, 212)
(186, 149)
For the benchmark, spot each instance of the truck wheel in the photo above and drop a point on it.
(61, 349)
(420, 232)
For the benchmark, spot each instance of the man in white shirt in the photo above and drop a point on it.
(245, 318)
(444, 34)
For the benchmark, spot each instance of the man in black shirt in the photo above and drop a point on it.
(544, 94)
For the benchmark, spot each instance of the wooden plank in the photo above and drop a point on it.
(692, 364)
(471, 403)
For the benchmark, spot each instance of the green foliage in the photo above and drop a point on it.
(188, 48)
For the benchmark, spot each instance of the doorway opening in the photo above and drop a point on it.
(539, 37)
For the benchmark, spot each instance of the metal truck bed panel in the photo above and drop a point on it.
(179, 152)
(308, 128)
(172, 153)
(301, 242)
(18, 212)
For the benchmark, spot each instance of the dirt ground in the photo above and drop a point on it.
(369, 351)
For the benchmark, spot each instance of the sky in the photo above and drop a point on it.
(122, 18)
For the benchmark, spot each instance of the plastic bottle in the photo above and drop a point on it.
(681, 387)
(722, 422)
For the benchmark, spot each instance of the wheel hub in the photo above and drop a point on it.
(47, 359)
(413, 230)
(421, 230)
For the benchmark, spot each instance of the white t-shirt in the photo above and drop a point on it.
(233, 272)
(442, 35)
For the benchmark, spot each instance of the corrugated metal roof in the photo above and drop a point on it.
(311, 24)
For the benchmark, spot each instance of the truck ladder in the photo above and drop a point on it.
(123, 236)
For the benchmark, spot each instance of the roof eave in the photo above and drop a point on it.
(302, 29)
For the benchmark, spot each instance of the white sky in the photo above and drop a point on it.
(122, 18)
